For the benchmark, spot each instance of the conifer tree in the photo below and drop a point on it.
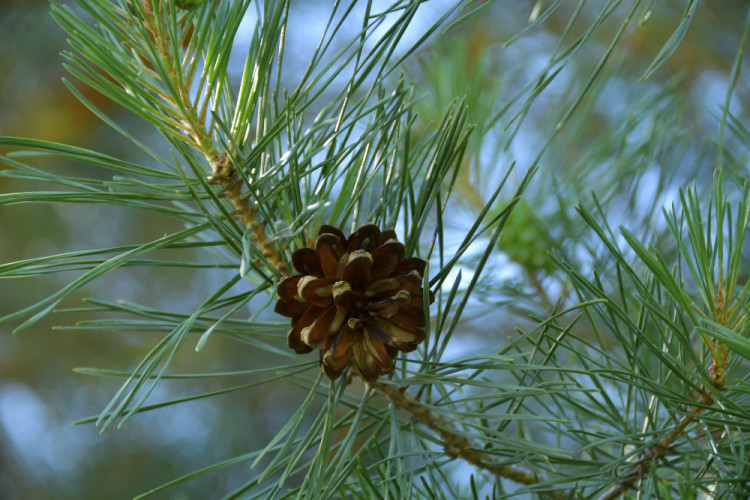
(451, 318)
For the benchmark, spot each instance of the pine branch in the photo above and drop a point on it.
(166, 31)
(340, 148)
(658, 450)
(226, 176)
(720, 354)
(455, 445)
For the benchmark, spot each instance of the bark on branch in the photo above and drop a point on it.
(455, 445)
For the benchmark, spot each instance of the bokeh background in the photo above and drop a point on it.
(43, 456)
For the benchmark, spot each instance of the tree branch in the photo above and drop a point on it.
(196, 134)
(455, 445)
(226, 176)
(656, 451)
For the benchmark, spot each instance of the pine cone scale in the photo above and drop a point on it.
(329, 249)
(318, 332)
(287, 288)
(386, 258)
(307, 262)
(316, 291)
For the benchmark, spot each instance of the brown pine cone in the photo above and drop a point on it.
(354, 296)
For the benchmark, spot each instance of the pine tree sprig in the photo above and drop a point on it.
(614, 366)
(454, 444)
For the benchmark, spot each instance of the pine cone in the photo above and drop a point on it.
(354, 296)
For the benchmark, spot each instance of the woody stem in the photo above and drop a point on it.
(226, 176)
(455, 445)
(655, 452)
(193, 125)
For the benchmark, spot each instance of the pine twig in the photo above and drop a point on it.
(197, 135)
(656, 451)
(720, 355)
(226, 176)
(455, 445)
